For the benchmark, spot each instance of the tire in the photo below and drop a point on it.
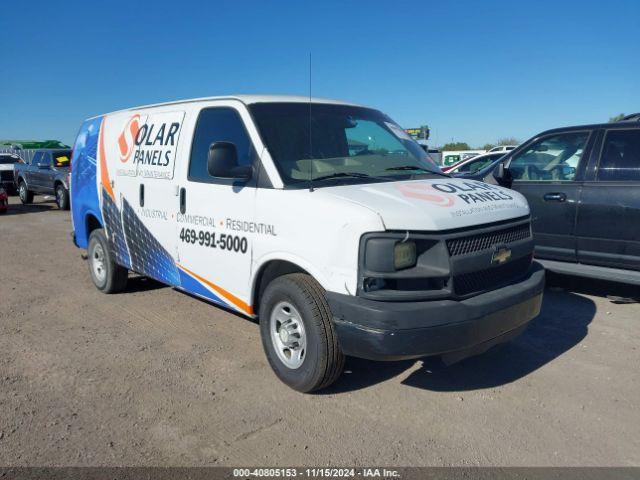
(296, 304)
(107, 276)
(62, 197)
(25, 195)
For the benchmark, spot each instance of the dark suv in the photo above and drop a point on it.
(47, 173)
(583, 186)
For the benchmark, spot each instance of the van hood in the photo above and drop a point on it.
(434, 204)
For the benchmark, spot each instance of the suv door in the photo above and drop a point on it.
(608, 224)
(31, 171)
(215, 224)
(548, 173)
(41, 172)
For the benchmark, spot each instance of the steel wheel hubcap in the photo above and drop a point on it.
(98, 263)
(287, 334)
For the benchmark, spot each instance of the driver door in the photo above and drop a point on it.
(215, 224)
(549, 174)
(41, 172)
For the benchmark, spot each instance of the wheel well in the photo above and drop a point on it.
(56, 183)
(268, 272)
(92, 224)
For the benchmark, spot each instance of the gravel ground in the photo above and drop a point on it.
(155, 377)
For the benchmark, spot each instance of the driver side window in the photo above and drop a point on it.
(553, 158)
(217, 124)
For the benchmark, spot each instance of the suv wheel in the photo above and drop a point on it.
(107, 276)
(25, 195)
(298, 335)
(62, 197)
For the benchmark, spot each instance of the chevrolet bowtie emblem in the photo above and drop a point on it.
(500, 255)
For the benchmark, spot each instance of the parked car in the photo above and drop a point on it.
(7, 161)
(46, 173)
(4, 200)
(452, 157)
(371, 252)
(473, 164)
(583, 187)
(503, 148)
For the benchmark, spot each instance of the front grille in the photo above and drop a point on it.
(6, 176)
(491, 278)
(485, 241)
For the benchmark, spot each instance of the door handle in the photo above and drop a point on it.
(183, 200)
(555, 197)
(141, 195)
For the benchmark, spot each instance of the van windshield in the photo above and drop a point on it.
(346, 144)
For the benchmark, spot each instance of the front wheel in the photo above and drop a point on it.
(298, 335)
(107, 276)
(26, 196)
(62, 197)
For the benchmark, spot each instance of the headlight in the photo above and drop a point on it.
(403, 265)
(386, 253)
(404, 255)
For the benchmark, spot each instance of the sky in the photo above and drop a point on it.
(474, 71)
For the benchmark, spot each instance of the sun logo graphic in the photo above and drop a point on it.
(427, 193)
(127, 139)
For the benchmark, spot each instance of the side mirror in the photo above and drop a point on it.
(502, 175)
(222, 162)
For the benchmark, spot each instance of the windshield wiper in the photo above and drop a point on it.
(415, 167)
(408, 167)
(342, 175)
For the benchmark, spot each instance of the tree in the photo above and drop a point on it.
(617, 118)
(448, 147)
(487, 146)
(508, 141)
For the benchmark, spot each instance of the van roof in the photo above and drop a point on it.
(246, 99)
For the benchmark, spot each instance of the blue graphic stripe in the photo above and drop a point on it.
(192, 285)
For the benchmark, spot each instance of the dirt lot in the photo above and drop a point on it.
(156, 377)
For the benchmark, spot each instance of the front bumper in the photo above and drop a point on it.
(379, 330)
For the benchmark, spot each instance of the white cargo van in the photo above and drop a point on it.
(323, 219)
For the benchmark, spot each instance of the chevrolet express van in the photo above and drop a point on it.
(322, 219)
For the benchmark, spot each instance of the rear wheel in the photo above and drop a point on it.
(298, 335)
(107, 276)
(26, 196)
(62, 197)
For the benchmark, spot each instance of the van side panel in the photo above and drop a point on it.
(142, 148)
(84, 190)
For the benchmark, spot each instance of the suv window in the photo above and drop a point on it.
(553, 158)
(620, 158)
(474, 165)
(37, 158)
(218, 124)
(46, 158)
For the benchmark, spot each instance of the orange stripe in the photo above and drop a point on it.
(104, 172)
(229, 296)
